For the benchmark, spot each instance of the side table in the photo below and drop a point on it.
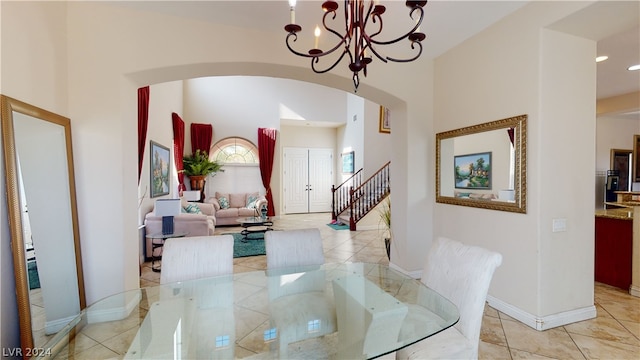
(157, 242)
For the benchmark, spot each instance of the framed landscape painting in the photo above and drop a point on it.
(473, 171)
(160, 165)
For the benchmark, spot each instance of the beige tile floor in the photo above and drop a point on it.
(613, 334)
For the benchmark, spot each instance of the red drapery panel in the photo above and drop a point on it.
(143, 121)
(266, 150)
(201, 137)
(511, 132)
(178, 149)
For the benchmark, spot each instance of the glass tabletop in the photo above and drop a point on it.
(341, 311)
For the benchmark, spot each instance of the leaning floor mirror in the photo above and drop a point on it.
(43, 220)
(484, 165)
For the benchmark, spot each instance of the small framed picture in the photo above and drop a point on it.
(385, 125)
(473, 171)
(348, 162)
(160, 169)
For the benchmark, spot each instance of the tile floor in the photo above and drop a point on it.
(613, 334)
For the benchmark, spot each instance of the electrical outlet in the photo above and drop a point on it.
(559, 225)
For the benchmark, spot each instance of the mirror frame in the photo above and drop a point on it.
(8, 106)
(520, 170)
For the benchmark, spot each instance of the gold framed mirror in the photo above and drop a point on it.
(43, 220)
(484, 165)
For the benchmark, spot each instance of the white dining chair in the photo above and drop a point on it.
(290, 248)
(462, 274)
(196, 257)
(299, 297)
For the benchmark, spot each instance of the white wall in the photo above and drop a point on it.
(112, 51)
(34, 70)
(164, 99)
(614, 133)
(238, 105)
(377, 146)
(525, 70)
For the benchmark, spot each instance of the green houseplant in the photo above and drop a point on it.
(385, 219)
(198, 166)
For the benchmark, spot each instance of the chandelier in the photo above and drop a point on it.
(356, 42)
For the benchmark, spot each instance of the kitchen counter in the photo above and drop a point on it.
(618, 213)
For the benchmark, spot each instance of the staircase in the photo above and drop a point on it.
(354, 198)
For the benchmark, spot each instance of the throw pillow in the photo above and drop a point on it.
(192, 209)
(237, 200)
(224, 202)
(251, 201)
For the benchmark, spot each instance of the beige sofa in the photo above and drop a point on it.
(229, 208)
(194, 224)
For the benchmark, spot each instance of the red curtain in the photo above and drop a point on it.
(143, 121)
(266, 149)
(178, 149)
(511, 133)
(201, 137)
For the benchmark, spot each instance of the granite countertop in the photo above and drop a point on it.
(619, 213)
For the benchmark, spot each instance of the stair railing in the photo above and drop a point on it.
(341, 195)
(363, 198)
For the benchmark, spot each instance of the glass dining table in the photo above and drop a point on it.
(333, 311)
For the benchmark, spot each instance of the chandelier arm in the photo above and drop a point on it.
(373, 50)
(410, 59)
(324, 53)
(324, 23)
(413, 30)
(315, 60)
(373, 19)
(295, 37)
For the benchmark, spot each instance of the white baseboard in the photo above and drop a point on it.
(545, 322)
(116, 312)
(53, 326)
(634, 290)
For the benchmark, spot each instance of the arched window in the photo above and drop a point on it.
(235, 150)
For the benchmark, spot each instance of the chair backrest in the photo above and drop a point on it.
(462, 274)
(196, 257)
(289, 248)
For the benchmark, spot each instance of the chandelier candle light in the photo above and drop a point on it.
(356, 41)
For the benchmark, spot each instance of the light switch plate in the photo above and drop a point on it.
(559, 225)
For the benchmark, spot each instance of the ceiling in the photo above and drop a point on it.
(447, 23)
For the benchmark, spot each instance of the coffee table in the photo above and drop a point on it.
(157, 241)
(254, 225)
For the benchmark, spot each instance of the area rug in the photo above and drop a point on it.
(32, 273)
(339, 226)
(253, 247)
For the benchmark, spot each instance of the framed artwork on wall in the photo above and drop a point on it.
(473, 171)
(160, 164)
(385, 125)
(348, 162)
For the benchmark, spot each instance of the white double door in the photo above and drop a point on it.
(307, 179)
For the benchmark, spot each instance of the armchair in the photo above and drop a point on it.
(196, 224)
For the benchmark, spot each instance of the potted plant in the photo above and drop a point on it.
(385, 219)
(197, 167)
